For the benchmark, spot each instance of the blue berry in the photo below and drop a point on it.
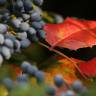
(20, 18)
(70, 93)
(22, 78)
(17, 45)
(15, 23)
(40, 76)
(38, 2)
(1, 60)
(31, 31)
(37, 25)
(58, 80)
(8, 36)
(6, 52)
(58, 18)
(77, 85)
(8, 83)
(19, 4)
(24, 26)
(25, 65)
(62, 94)
(42, 23)
(3, 28)
(6, 16)
(25, 43)
(9, 43)
(50, 91)
(38, 10)
(32, 70)
(25, 16)
(1, 39)
(27, 5)
(41, 34)
(35, 16)
(22, 35)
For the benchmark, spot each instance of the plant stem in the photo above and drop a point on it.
(63, 55)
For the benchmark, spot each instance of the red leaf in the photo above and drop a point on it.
(16, 70)
(88, 67)
(72, 34)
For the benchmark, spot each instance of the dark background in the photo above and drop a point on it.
(77, 8)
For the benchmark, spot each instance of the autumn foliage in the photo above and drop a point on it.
(72, 34)
(65, 68)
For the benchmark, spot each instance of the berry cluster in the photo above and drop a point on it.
(30, 72)
(20, 25)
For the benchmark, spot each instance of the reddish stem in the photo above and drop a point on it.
(63, 55)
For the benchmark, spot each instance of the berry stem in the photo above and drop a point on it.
(63, 55)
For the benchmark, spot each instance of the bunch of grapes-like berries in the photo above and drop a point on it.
(29, 72)
(20, 25)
